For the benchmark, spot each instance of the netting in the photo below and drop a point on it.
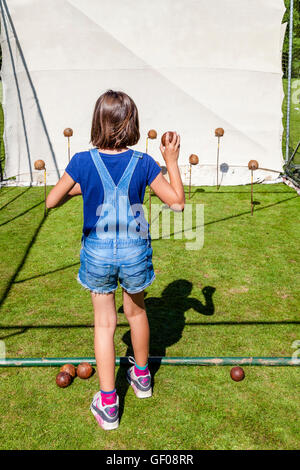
(292, 151)
(2, 149)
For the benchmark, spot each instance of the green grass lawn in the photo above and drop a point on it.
(238, 296)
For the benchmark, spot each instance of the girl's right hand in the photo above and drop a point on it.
(170, 152)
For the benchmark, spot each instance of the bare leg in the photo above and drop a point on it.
(105, 327)
(135, 312)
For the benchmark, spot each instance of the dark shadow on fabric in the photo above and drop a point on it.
(31, 85)
(17, 85)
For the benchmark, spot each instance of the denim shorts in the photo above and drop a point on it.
(102, 266)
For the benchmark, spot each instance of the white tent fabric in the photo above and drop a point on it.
(190, 66)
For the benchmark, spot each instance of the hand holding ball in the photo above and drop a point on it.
(164, 137)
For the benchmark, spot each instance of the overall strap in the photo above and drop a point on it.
(137, 154)
(126, 177)
(104, 174)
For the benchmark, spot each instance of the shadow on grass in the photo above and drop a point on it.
(25, 255)
(255, 203)
(22, 213)
(224, 219)
(246, 192)
(20, 332)
(24, 328)
(166, 321)
(199, 190)
(13, 199)
(48, 272)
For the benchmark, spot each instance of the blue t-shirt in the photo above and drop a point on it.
(82, 170)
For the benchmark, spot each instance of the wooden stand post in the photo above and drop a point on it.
(190, 182)
(68, 132)
(252, 205)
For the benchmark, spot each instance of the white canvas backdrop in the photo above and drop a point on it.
(190, 66)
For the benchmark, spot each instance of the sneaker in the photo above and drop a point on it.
(142, 384)
(107, 416)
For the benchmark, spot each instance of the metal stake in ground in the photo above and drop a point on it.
(152, 134)
(194, 160)
(252, 165)
(219, 132)
(40, 165)
(68, 132)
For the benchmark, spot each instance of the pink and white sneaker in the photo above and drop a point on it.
(107, 416)
(142, 384)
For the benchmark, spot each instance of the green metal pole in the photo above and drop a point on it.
(172, 361)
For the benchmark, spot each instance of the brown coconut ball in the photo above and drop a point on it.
(194, 159)
(152, 134)
(253, 165)
(69, 368)
(63, 379)
(219, 132)
(68, 132)
(39, 165)
(84, 370)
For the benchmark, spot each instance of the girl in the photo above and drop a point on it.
(116, 244)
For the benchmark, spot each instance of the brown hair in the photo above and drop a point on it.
(115, 121)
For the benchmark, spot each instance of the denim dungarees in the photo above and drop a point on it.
(118, 247)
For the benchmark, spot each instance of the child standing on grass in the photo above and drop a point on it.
(116, 243)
